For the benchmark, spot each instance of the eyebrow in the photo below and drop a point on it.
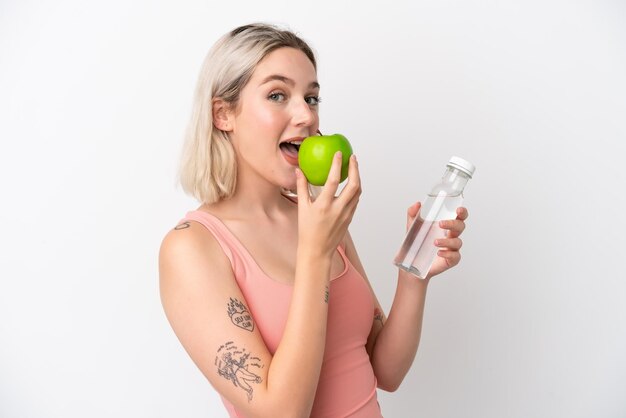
(287, 80)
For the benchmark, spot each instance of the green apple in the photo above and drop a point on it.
(315, 157)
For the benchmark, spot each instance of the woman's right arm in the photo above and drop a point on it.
(200, 296)
(198, 290)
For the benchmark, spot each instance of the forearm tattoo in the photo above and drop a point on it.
(237, 366)
(326, 294)
(240, 315)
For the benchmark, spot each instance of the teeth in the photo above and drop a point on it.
(298, 142)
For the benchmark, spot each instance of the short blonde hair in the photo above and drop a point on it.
(208, 169)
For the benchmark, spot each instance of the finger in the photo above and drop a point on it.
(302, 188)
(462, 213)
(353, 187)
(350, 195)
(454, 227)
(412, 212)
(454, 244)
(334, 177)
(350, 207)
(452, 257)
(414, 209)
(349, 213)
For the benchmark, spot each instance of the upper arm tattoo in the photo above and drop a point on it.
(240, 315)
(235, 365)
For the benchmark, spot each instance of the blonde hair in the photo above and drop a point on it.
(208, 169)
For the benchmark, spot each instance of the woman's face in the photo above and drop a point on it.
(278, 105)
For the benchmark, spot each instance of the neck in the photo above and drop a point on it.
(254, 198)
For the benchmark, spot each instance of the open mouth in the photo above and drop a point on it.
(291, 147)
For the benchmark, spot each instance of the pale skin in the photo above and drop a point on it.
(196, 277)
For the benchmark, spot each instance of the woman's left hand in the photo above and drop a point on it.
(448, 254)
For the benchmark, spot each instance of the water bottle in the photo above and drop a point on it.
(418, 251)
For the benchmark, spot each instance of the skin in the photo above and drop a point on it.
(197, 281)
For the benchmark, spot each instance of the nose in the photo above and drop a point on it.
(304, 114)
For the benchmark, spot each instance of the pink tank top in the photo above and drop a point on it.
(347, 385)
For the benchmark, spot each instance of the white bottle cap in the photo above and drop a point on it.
(463, 165)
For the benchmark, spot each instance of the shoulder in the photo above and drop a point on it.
(187, 239)
(190, 250)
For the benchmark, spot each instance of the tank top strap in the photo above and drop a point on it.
(342, 248)
(242, 262)
(238, 256)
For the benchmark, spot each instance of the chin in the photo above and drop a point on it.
(288, 181)
(289, 186)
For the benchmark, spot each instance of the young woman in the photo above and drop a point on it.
(266, 293)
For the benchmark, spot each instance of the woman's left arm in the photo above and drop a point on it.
(393, 341)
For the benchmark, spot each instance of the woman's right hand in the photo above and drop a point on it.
(323, 222)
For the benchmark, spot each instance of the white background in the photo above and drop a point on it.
(94, 98)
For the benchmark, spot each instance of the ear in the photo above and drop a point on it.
(222, 115)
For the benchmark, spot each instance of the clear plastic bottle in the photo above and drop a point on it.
(418, 251)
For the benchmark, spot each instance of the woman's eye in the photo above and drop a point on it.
(276, 97)
(313, 100)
